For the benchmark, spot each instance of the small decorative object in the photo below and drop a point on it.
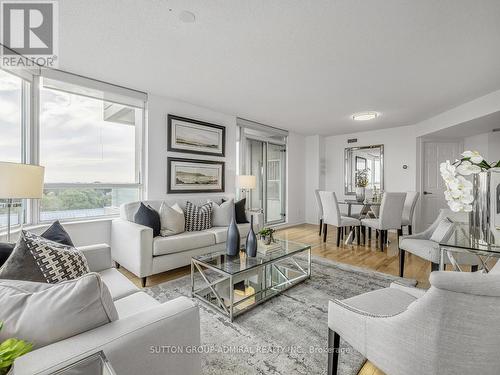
(266, 235)
(196, 137)
(11, 349)
(361, 183)
(233, 239)
(477, 196)
(251, 244)
(194, 176)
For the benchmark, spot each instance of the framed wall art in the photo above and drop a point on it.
(194, 176)
(195, 137)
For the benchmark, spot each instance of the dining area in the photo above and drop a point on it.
(363, 209)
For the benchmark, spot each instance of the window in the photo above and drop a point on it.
(87, 134)
(263, 154)
(90, 149)
(14, 110)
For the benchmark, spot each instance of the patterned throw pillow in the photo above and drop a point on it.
(198, 217)
(56, 262)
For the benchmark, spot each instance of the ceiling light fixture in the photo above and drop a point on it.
(365, 116)
(187, 16)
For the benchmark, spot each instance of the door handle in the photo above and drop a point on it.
(426, 193)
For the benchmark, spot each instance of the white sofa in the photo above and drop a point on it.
(143, 325)
(134, 247)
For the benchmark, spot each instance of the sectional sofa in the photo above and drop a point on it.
(130, 342)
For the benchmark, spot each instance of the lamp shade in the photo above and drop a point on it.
(21, 181)
(246, 182)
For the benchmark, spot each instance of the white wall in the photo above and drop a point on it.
(478, 143)
(156, 154)
(399, 149)
(314, 175)
(296, 181)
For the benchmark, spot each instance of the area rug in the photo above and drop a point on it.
(287, 334)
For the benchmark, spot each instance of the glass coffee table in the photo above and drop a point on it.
(235, 284)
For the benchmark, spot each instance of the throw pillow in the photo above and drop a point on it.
(46, 313)
(58, 234)
(198, 217)
(443, 229)
(240, 211)
(37, 259)
(223, 213)
(171, 219)
(148, 217)
(5, 251)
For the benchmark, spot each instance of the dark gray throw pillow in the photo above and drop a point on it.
(58, 234)
(147, 216)
(5, 251)
(239, 211)
(37, 259)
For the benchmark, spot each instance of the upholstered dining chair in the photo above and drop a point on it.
(320, 209)
(390, 216)
(409, 210)
(423, 246)
(332, 216)
(450, 329)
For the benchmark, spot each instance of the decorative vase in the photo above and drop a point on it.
(484, 220)
(251, 244)
(233, 239)
(360, 194)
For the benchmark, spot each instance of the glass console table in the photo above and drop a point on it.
(461, 241)
(235, 284)
(94, 364)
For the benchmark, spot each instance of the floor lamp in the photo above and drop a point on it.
(246, 183)
(19, 181)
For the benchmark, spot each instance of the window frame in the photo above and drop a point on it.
(30, 145)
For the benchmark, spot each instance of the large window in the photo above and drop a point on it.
(88, 136)
(14, 109)
(89, 148)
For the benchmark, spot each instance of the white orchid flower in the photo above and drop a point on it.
(456, 206)
(467, 208)
(474, 156)
(466, 168)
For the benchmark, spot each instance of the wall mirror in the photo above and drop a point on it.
(369, 158)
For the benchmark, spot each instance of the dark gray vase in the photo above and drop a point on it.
(233, 239)
(251, 245)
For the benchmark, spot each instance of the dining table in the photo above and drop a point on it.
(366, 211)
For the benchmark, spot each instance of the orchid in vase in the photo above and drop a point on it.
(458, 192)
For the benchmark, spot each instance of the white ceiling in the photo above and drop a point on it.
(302, 65)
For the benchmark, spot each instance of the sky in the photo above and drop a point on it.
(76, 144)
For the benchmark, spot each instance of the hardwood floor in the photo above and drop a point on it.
(368, 256)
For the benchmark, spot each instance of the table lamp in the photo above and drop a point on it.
(19, 181)
(246, 183)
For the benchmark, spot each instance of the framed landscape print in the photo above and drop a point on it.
(194, 176)
(196, 137)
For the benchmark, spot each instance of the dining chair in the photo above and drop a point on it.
(332, 216)
(390, 217)
(320, 209)
(409, 210)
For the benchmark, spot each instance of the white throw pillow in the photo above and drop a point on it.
(172, 220)
(43, 313)
(443, 229)
(223, 213)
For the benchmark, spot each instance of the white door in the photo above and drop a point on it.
(434, 153)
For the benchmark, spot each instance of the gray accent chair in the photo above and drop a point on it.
(391, 216)
(409, 210)
(450, 329)
(420, 244)
(333, 216)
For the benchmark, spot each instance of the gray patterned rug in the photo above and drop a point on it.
(287, 334)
